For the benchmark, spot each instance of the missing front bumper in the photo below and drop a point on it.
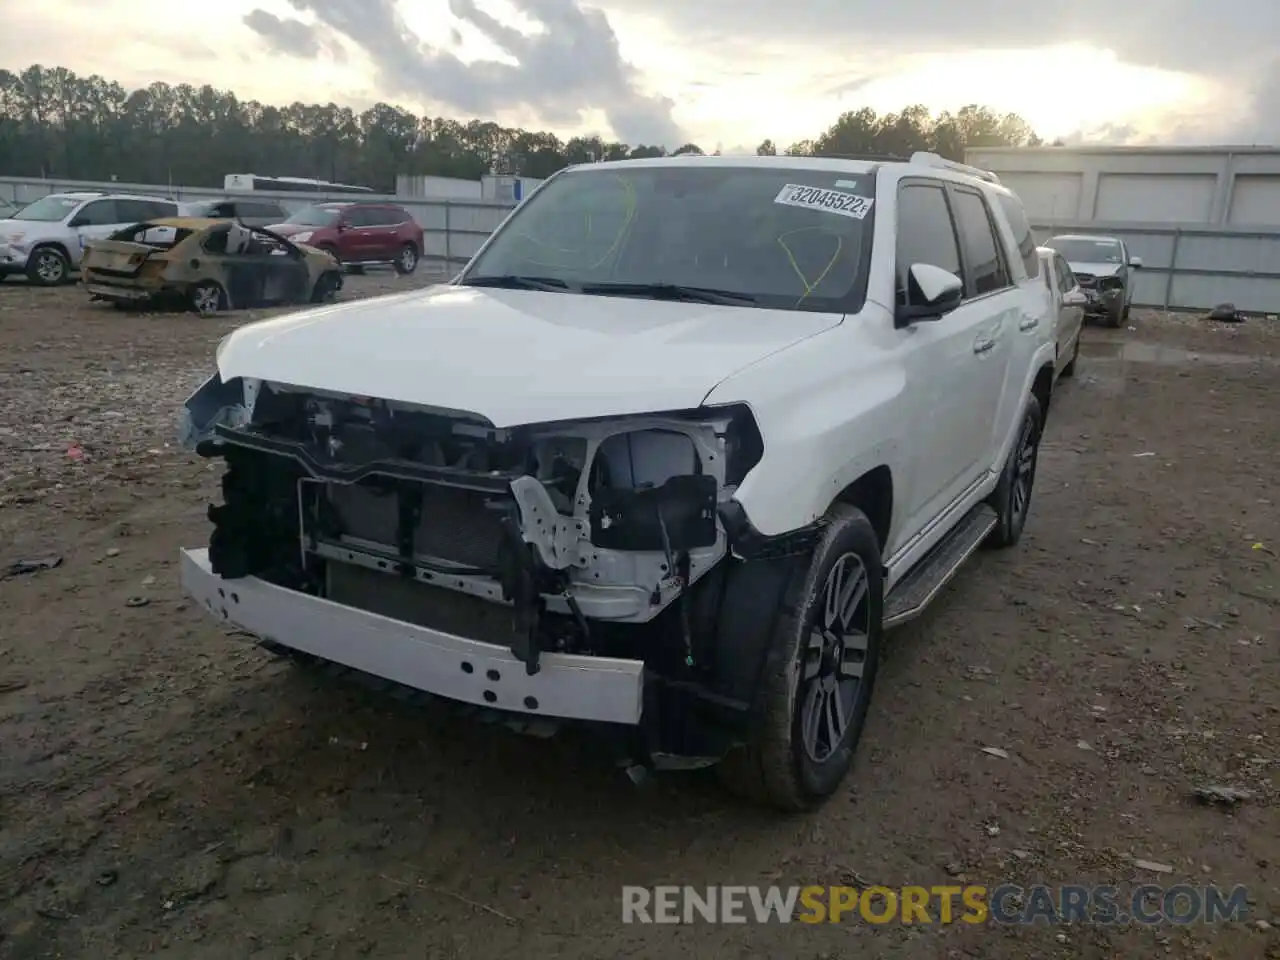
(567, 686)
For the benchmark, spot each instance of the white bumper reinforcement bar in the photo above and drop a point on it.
(568, 686)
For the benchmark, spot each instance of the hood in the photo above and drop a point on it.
(516, 356)
(10, 227)
(1095, 269)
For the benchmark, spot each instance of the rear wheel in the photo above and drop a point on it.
(407, 260)
(818, 679)
(48, 266)
(208, 297)
(1012, 496)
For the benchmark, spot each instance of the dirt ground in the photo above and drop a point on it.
(169, 791)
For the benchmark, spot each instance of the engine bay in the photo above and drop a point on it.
(535, 537)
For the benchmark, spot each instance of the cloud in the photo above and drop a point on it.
(572, 66)
(1175, 34)
(291, 37)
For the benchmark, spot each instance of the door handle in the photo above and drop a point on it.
(1028, 323)
(983, 346)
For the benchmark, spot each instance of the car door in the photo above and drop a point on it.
(1070, 302)
(96, 220)
(380, 232)
(1005, 327)
(943, 358)
(353, 239)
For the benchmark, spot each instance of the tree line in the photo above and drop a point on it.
(55, 123)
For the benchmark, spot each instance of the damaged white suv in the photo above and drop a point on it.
(670, 455)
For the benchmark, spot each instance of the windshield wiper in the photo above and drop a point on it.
(511, 281)
(672, 291)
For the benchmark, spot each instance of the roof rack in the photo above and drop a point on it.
(926, 159)
(875, 157)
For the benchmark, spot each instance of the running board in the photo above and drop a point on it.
(927, 578)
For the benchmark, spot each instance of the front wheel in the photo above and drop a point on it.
(818, 678)
(48, 267)
(1012, 496)
(327, 287)
(407, 261)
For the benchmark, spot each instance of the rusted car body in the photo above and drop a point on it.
(207, 265)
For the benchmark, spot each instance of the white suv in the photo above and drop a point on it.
(671, 453)
(44, 239)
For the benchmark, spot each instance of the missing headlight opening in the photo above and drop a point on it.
(569, 537)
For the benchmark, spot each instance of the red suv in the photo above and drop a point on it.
(358, 234)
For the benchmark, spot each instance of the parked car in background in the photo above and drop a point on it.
(208, 265)
(358, 234)
(1068, 302)
(252, 213)
(1104, 269)
(45, 239)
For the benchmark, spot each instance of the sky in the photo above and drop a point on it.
(720, 73)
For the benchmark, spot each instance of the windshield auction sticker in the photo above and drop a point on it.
(819, 198)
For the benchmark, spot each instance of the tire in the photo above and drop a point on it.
(208, 297)
(48, 267)
(1012, 496)
(1115, 318)
(1125, 314)
(775, 767)
(327, 287)
(1070, 369)
(407, 260)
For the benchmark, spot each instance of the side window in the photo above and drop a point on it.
(161, 208)
(267, 211)
(99, 213)
(133, 211)
(982, 252)
(1066, 279)
(925, 232)
(362, 217)
(398, 215)
(1017, 217)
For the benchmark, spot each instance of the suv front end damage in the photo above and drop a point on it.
(570, 570)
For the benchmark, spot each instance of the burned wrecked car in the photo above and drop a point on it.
(207, 265)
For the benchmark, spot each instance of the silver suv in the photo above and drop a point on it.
(44, 239)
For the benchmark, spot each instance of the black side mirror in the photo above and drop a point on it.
(932, 293)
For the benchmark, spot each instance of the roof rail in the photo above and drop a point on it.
(926, 159)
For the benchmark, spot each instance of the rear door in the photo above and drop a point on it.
(384, 232)
(995, 303)
(1070, 313)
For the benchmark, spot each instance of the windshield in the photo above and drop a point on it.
(315, 216)
(763, 236)
(1086, 249)
(48, 209)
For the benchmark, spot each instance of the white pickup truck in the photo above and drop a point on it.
(670, 455)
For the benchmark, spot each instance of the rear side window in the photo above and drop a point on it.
(151, 209)
(925, 232)
(1017, 217)
(363, 216)
(398, 215)
(978, 240)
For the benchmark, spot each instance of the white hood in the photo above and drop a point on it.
(516, 356)
(1094, 269)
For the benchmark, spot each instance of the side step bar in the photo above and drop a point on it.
(927, 578)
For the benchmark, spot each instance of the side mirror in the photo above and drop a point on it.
(1075, 298)
(1135, 262)
(932, 293)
